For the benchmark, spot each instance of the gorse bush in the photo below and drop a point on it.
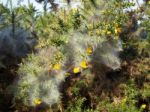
(94, 50)
(91, 59)
(42, 74)
(40, 79)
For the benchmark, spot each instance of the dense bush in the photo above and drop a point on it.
(93, 59)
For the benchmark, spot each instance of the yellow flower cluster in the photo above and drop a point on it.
(143, 106)
(89, 50)
(83, 65)
(76, 70)
(57, 67)
(37, 101)
(108, 32)
(117, 30)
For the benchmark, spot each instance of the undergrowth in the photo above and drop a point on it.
(95, 58)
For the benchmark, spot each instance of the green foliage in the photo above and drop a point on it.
(76, 106)
(88, 40)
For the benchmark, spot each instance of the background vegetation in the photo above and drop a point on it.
(95, 58)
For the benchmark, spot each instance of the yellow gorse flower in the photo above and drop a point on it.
(143, 106)
(37, 101)
(149, 2)
(108, 32)
(117, 30)
(84, 64)
(76, 70)
(57, 67)
(89, 50)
